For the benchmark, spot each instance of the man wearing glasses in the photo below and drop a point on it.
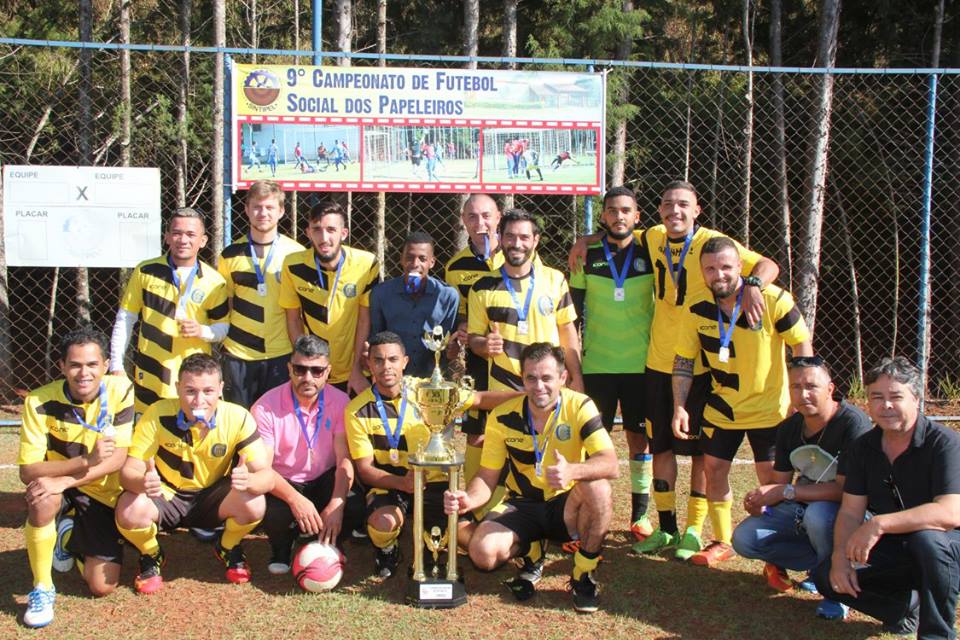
(301, 425)
(791, 519)
(902, 564)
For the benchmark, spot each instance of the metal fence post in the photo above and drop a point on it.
(923, 337)
(227, 144)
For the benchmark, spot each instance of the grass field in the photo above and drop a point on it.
(287, 171)
(567, 174)
(641, 597)
(447, 171)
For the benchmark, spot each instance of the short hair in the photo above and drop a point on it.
(187, 212)
(84, 334)
(519, 215)
(680, 184)
(266, 189)
(386, 337)
(310, 346)
(477, 196)
(199, 363)
(326, 208)
(617, 192)
(899, 369)
(718, 244)
(809, 362)
(537, 351)
(419, 237)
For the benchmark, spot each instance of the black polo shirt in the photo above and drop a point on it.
(930, 467)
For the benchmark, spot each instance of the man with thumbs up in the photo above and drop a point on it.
(195, 461)
(75, 435)
(560, 461)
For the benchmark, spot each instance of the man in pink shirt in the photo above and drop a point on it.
(301, 425)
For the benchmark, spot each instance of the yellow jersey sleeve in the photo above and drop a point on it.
(566, 312)
(687, 336)
(250, 445)
(33, 435)
(132, 299)
(370, 279)
(120, 391)
(223, 268)
(595, 438)
(494, 455)
(288, 291)
(144, 443)
(789, 322)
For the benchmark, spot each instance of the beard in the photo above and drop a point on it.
(516, 260)
(619, 235)
(723, 290)
(331, 256)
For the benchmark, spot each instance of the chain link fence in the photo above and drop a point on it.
(679, 123)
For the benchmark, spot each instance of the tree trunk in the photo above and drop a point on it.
(254, 30)
(125, 82)
(509, 51)
(780, 140)
(747, 158)
(471, 26)
(186, 7)
(5, 356)
(619, 168)
(216, 167)
(84, 143)
(381, 196)
(854, 288)
(808, 266)
(345, 44)
(689, 131)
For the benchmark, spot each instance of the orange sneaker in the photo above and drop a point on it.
(642, 528)
(713, 554)
(238, 572)
(777, 578)
(571, 546)
(149, 580)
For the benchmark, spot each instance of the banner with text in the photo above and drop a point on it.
(423, 130)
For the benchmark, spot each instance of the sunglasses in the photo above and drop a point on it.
(301, 370)
(805, 361)
(895, 490)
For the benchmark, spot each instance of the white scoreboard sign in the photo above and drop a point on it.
(80, 216)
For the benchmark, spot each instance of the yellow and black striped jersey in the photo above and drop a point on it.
(334, 320)
(151, 292)
(52, 429)
(576, 432)
(670, 299)
(367, 437)
(465, 268)
(258, 324)
(550, 307)
(185, 463)
(749, 391)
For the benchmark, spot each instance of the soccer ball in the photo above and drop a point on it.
(318, 567)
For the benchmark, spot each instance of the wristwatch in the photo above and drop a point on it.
(789, 492)
(752, 281)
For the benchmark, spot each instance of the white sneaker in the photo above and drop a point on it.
(278, 568)
(39, 607)
(63, 559)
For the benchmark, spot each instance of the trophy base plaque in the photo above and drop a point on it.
(436, 593)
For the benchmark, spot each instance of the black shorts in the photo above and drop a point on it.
(475, 420)
(659, 409)
(95, 533)
(197, 510)
(607, 389)
(724, 443)
(433, 515)
(244, 381)
(532, 520)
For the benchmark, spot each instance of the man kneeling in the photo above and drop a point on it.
(195, 461)
(560, 459)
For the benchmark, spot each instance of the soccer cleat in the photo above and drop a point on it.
(714, 553)
(586, 597)
(531, 571)
(642, 528)
(149, 579)
(63, 559)
(807, 585)
(688, 545)
(571, 546)
(832, 610)
(386, 561)
(39, 611)
(235, 561)
(777, 578)
(280, 560)
(656, 542)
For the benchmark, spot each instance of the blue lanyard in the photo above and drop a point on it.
(521, 313)
(539, 451)
(311, 442)
(322, 281)
(261, 274)
(183, 425)
(675, 275)
(618, 278)
(727, 336)
(182, 298)
(393, 439)
(101, 418)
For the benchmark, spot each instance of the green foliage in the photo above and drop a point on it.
(948, 387)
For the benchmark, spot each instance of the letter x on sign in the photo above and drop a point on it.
(82, 193)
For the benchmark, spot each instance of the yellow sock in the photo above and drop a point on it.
(535, 553)
(697, 510)
(721, 520)
(665, 500)
(471, 461)
(145, 540)
(41, 542)
(584, 562)
(383, 539)
(233, 532)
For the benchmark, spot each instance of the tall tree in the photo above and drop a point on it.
(85, 144)
(808, 265)
(216, 167)
(471, 26)
(780, 138)
(618, 170)
(183, 95)
(381, 196)
(747, 154)
(345, 44)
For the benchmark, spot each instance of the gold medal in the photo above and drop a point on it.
(394, 455)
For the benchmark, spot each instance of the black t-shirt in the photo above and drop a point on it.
(930, 467)
(846, 425)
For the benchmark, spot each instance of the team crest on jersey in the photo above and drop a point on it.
(545, 305)
(218, 450)
(197, 296)
(350, 290)
(563, 432)
(639, 264)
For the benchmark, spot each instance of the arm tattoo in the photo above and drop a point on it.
(683, 367)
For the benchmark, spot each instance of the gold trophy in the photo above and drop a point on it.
(439, 403)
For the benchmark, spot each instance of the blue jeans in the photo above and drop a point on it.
(789, 534)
